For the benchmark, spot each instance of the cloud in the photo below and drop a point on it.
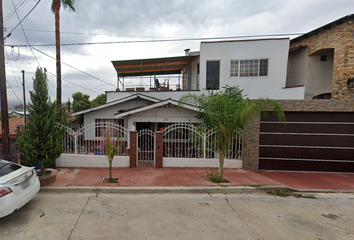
(111, 20)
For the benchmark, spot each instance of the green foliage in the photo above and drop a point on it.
(68, 105)
(256, 185)
(99, 100)
(214, 176)
(80, 102)
(65, 3)
(41, 142)
(228, 111)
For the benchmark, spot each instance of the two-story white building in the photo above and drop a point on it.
(259, 66)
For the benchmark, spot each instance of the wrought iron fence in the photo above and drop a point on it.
(184, 140)
(89, 139)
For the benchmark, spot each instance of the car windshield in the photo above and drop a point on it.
(6, 168)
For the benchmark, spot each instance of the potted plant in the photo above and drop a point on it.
(40, 143)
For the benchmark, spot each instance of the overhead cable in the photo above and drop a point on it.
(75, 84)
(9, 34)
(161, 40)
(25, 34)
(75, 68)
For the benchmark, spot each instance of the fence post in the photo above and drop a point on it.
(133, 148)
(204, 144)
(75, 138)
(159, 149)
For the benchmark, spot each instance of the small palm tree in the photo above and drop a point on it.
(56, 4)
(227, 112)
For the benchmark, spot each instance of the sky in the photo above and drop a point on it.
(87, 68)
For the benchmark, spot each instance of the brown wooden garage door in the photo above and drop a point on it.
(308, 141)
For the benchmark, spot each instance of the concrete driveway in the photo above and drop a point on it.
(181, 216)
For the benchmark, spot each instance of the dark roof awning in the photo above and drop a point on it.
(152, 66)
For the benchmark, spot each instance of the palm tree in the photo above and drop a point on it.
(56, 4)
(227, 112)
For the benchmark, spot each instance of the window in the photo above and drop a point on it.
(101, 126)
(249, 68)
(213, 75)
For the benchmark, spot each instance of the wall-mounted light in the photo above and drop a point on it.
(351, 82)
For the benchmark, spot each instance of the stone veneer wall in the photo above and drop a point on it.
(338, 36)
(251, 135)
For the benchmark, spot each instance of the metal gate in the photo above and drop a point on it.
(146, 148)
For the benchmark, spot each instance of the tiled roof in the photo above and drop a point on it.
(13, 123)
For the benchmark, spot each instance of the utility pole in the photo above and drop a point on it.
(24, 97)
(3, 94)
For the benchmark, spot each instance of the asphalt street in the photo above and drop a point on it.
(181, 216)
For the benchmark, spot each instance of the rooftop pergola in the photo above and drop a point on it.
(151, 67)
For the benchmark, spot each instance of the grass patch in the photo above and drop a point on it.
(256, 185)
(214, 176)
(282, 193)
(223, 186)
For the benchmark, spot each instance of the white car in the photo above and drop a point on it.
(18, 185)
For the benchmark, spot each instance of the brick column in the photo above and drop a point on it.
(159, 149)
(250, 148)
(133, 148)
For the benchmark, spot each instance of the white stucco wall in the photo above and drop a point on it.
(168, 115)
(83, 161)
(254, 87)
(297, 67)
(310, 71)
(194, 74)
(319, 77)
(200, 162)
(293, 93)
(108, 112)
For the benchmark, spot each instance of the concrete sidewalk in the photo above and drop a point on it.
(74, 178)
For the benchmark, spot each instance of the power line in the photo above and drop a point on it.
(172, 40)
(25, 35)
(74, 83)
(95, 34)
(9, 34)
(75, 68)
(12, 12)
(162, 40)
(13, 73)
(13, 91)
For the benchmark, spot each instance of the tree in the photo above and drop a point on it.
(99, 100)
(41, 142)
(80, 102)
(227, 112)
(56, 4)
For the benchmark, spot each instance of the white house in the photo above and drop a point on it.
(259, 66)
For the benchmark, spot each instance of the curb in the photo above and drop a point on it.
(160, 190)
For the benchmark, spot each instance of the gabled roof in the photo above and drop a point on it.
(133, 96)
(154, 105)
(246, 40)
(152, 66)
(348, 18)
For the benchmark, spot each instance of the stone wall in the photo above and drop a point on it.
(337, 35)
(251, 135)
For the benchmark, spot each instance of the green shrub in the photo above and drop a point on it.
(214, 176)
